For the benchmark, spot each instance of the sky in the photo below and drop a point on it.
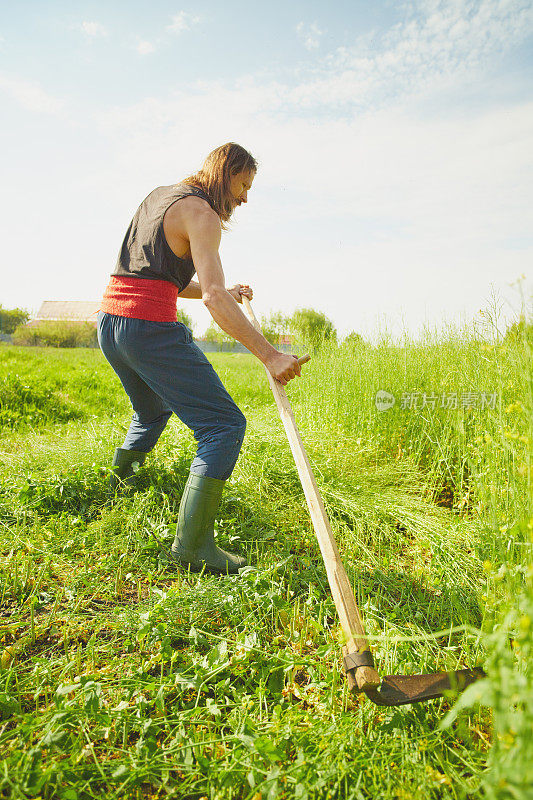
(394, 140)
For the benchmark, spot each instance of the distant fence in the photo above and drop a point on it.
(205, 347)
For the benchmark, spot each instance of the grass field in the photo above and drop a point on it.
(121, 678)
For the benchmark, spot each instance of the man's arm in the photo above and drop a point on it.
(203, 230)
(192, 291)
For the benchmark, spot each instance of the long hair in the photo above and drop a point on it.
(215, 174)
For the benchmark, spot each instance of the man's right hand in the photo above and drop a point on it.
(283, 367)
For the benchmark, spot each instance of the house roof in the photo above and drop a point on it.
(68, 310)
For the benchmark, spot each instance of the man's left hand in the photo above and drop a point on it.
(240, 290)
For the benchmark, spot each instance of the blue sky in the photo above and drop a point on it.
(395, 143)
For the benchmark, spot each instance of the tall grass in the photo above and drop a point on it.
(121, 678)
(468, 453)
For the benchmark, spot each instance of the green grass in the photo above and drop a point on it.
(121, 678)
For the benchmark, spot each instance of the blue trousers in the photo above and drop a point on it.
(163, 371)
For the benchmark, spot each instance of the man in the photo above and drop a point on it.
(176, 232)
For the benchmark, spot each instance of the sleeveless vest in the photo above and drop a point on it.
(145, 252)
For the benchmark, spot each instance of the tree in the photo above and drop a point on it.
(354, 339)
(312, 327)
(183, 317)
(11, 317)
(217, 335)
(275, 326)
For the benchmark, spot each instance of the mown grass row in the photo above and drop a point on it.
(123, 678)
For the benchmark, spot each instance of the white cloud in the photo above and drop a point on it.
(383, 155)
(30, 95)
(93, 29)
(309, 35)
(144, 47)
(182, 21)
(441, 44)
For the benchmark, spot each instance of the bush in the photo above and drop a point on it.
(11, 317)
(312, 327)
(354, 339)
(56, 334)
(520, 330)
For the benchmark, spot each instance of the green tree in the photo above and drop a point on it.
(312, 327)
(275, 326)
(11, 317)
(216, 334)
(354, 339)
(183, 317)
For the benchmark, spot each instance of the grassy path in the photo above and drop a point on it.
(123, 678)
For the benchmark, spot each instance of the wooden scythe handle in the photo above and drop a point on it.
(350, 619)
(304, 359)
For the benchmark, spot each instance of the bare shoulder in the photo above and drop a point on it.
(199, 218)
(194, 208)
(190, 218)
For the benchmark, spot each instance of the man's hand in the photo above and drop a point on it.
(240, 290)
(283, 367)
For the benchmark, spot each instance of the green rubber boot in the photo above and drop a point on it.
(194, 546)
(123, 466)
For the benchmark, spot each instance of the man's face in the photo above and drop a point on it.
(240, 184)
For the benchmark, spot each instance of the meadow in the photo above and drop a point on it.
(121, 677)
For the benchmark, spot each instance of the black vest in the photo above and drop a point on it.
(145, 252)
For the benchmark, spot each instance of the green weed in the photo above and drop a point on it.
(26, 405)
(121, 677)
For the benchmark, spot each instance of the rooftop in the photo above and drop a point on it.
(68, 310)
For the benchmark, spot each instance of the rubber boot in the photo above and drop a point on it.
(123, 463)
(194, 545)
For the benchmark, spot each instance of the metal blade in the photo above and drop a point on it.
(399, 690)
